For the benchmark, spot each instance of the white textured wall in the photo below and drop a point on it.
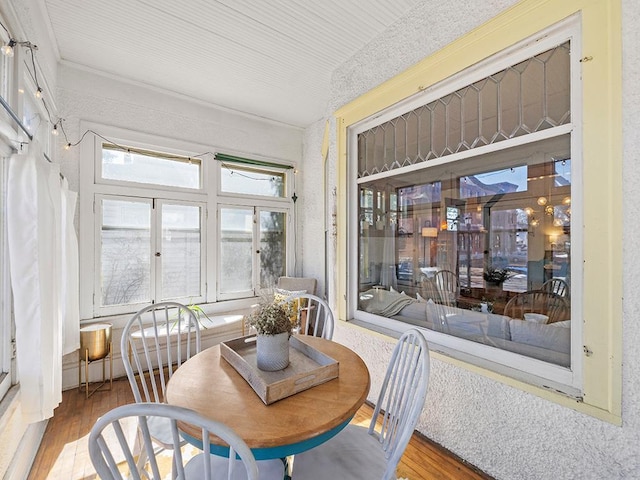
(508, 433)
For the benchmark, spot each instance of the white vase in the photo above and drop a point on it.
(272, 352)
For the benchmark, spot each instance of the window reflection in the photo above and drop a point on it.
(471, 247)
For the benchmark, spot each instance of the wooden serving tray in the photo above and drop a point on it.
(307, 368)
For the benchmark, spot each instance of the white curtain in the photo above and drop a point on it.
(388, 276)
(70, 306)
(42, 272)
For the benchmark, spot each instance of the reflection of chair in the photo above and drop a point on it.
(359, 452)
(557, 286)
(448, 287)
(158, 339)
(110, 444)
(429, 290)
(314, 315)
(557, 308)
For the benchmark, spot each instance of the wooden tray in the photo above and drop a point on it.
(307, 368)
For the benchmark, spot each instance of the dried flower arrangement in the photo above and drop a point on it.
(270, 319)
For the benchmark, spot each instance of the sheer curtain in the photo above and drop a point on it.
(43, 267)
(388, 276)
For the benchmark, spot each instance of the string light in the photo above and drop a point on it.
(7, 49)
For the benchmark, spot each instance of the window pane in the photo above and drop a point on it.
(181, 247)
(272, 247)
(125, 254)
(148, 167)
(490, 249)
(251, 181)
(525, 98)
(236, 250)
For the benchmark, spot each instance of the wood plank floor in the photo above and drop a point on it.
(64, 455)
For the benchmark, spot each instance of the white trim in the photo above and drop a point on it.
(91, 186)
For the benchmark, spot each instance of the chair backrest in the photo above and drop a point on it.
(113, 442)
(429, 290)
(298, 283)
(557, 286)
(402, 396)
(556, 307)
(313, 315)
(448, 286)
(155, 342)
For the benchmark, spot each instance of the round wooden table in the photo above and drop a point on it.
(208, 384)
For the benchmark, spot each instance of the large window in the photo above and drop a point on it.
(464, 212)
(162, 231)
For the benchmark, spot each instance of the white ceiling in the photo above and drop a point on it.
(271, 58)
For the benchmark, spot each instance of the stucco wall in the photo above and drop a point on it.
(508, 433)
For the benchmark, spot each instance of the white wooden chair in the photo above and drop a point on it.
(557, 286)
(154, 343)
(357, 453)
(111, 446)
(314, 315)
(448, 287)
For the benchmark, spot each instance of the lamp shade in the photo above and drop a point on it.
(431, 232)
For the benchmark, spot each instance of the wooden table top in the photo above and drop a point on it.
(208, 384)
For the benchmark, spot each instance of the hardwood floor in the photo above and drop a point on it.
(64, 455)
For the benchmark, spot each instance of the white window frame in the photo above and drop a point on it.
(568, 381)
(91, 185)
(255, 260)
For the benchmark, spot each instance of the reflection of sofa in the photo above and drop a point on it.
(550, 342)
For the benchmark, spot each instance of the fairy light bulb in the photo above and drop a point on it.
(7, 49)
(55, 131)
(542, 200)
(67, 146)
(528, 211)
(38, 93)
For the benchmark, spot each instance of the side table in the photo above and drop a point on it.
(95, 344)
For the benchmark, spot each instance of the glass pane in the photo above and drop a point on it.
(498, 181)
(490, 249)
(236, 250)
(272, 247)
(148, 167)
(181, 251)
(125, 255)
(530, 96)
(252, 181)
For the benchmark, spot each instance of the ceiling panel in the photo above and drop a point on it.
(271, 58)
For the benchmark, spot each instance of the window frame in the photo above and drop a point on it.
(91, 187)
(567, 380)
(598, 144)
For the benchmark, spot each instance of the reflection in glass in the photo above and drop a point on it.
(272, 247)
(125, 252)
(181, 247)
(236, 246)
(477, 242)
